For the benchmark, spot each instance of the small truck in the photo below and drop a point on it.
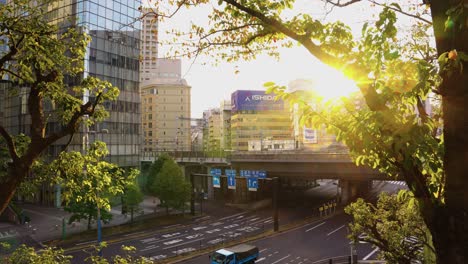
(239, 254)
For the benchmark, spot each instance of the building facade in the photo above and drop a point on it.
(166, 109)
(257, 116)
(225, 129)
(308, 138)
(149, 45)
(212, 132)
(112, 55)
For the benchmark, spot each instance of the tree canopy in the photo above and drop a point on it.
(391, 130)
(171, 187)
(393, 225)
(39, 62)
(88, 182)
(132, 198)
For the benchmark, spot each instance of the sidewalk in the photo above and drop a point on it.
(46, 222)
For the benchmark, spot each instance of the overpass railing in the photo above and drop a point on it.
(224, 156)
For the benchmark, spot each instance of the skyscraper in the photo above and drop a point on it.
(149, 44)
(166, 109)
(112, 55)
(165, 94)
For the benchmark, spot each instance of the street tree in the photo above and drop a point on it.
(155, 168)
(88, 182)
(86, 210)
(394, 225)
(24, 254)
(132, 198)
(391, 130)
(37, 58)
(29, 255)
(171, 187)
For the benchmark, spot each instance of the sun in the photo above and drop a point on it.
(332, 84)
(326, 83)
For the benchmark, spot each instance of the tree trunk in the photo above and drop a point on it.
(131, 215)
(89, 222)
(449, 222)
(16, 174)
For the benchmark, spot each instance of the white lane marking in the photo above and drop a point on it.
(231, 226)
(178, 245)
(194, 236)
(172, 226)
(203, 218)
(136, 233)
(370, 254)
(268, 221)
(215, 241)
(149, 248)
(260, 221)
(170, 235)
(199, 228)
(146, 240)
(254, 219)
(227, 217)
(158, 257)
(263, 249)
(87, 242)
(217, 224)
(175, 241)
(260, 259)
(184, 250)
(281, 259)
(213, 231)
(315, 227)
(335, 230)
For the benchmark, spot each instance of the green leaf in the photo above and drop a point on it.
(396, 5)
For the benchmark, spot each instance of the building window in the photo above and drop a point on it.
(150, 125)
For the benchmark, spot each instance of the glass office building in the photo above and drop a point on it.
(112, 55)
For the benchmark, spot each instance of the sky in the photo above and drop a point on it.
(211, 84)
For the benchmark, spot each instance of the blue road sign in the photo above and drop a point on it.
(247, 173)
(230, 172)
(262, 174)
(215, 171)
(216, 181)
(231, 181)
(252, 183)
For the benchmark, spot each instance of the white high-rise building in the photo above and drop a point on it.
(165, 95)
(149, 45)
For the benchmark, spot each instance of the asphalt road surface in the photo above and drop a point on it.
(312, 242)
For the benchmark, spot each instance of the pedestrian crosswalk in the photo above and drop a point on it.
(400, 183)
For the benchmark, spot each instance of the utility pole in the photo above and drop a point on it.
(275, 181)
(192, 200)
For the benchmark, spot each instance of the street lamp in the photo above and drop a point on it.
(98, 213)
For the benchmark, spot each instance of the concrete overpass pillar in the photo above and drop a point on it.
(209, 184)
(353, 189)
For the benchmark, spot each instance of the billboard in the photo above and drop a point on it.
(310, 135)
(246, 100)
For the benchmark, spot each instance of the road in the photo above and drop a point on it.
(213, 230)
(314, 241)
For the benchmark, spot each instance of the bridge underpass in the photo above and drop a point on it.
(291, 168)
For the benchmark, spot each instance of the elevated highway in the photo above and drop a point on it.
(296, 164)
(289, 166)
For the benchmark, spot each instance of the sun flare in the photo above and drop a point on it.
(326, 83)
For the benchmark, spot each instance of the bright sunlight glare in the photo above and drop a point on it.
(331, 84)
